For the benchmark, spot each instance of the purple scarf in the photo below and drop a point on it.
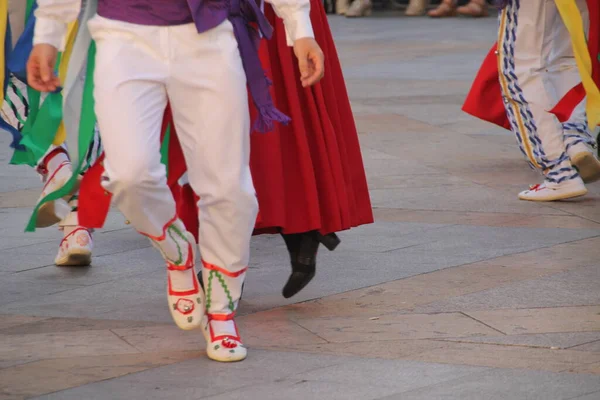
(241, 13)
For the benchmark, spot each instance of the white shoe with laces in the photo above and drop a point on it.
(548, 191)
(75, 249)
(223, 342)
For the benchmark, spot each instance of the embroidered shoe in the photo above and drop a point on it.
(52, 212)
(75, 249)
(186, 306)
(583, 158)
(223, 342)
(547, 191)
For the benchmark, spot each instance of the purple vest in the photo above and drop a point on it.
(207, 14)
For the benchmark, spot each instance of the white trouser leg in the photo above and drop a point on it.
(207, 91)
(532, 52)
(131, 71)
(133, 63)
(563, 75)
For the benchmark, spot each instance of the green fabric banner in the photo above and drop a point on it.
(86, 135)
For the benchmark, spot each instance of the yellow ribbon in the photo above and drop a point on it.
(571, 16)
(61, 133)
(3, 28)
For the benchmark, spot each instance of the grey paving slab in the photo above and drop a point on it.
(16, 260)
(414, 90)
(571, 288)
(356, 265)
(502, 384)
(275, 375)
(589, 396)
(144, 292)
(464, 244)
(383, 237)
(198, 378)
(401, 375)
(476, 198)
(14, 221)
(280, 376)
(29, 259)
(593, 346)
(368, 258)
(394, 27)
(585, 341)
(394, 167)
(20, 290)
(291, 389)
(104, 268)
(11, 183)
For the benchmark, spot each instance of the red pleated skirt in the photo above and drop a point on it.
(309, 175)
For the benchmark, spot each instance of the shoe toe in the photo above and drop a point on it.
(296, 282)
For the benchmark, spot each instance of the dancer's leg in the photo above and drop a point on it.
(132, 67)
(524, 45)
(562, 76)
(210, 110)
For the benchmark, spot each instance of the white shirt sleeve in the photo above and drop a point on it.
(296, 18)
(52, 19)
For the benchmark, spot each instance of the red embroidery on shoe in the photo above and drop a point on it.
(185, 306)
(230, 274)
(537, 188)
(228, 343)
(81, 228)
(82, 240)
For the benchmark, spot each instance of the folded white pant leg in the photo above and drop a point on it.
(531, 33)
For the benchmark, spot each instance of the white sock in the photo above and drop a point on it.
(223, 328)
(182, 280)
(175, 248)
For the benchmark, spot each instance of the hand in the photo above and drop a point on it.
(310, 60)
(40, 68)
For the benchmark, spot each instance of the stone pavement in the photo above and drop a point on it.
(458, 291)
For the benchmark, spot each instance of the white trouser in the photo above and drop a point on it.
(140, 68)
(537, 68)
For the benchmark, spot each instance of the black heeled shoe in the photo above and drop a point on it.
(303, 248)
